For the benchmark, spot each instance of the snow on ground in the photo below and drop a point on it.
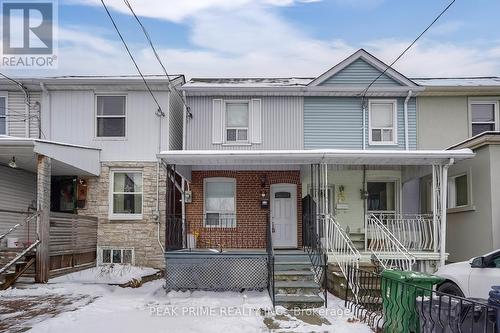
(108, 274)
(101, 307)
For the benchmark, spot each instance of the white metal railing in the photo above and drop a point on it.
(385, 246)
(340, 246)
(416, 232)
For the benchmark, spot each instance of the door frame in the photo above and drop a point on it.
(292, 188)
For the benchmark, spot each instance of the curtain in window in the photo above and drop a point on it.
(237, 115)
(219, 197)
(382, 115)
(127, 193)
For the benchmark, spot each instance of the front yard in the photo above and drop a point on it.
(77, 305)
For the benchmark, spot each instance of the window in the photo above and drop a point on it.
(3, 115)
(126, 195)
(220, 203)
(381, 196)
(237, 120)
(483, 117)
(458, 191)
(116, 255)
(111, 116)
(382, 122)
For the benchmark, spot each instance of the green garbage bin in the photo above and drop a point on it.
(400, 290)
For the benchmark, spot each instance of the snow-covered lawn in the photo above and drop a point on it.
(103, 308)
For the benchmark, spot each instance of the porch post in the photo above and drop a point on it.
(444, 198)
(435, 198)
(43, 219)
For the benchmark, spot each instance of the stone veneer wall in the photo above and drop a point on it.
(142, 235)
(250, 217)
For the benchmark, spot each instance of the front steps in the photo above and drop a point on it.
(337, 283)
(295, 285)
(25, 266)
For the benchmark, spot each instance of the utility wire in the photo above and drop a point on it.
(160, 112)
(408, 47)
(148, 37)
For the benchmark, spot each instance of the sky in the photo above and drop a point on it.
(277, 38)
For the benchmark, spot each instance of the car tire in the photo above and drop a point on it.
(451, 289)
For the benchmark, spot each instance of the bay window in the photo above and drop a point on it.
(126, 195)
(220, 202)
(382, 121)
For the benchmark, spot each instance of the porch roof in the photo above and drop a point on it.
(304, 157)
(67, 159)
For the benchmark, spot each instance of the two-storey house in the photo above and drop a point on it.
(330, 162)
(79, 168)
(458, 113)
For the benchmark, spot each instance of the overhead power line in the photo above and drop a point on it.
(408, 47)
(160, 111)
(148, 37)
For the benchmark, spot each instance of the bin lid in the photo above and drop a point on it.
(410, 276)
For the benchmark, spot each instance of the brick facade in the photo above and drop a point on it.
(250, 231)
(141, 235)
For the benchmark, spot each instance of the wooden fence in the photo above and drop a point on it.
(73, 242)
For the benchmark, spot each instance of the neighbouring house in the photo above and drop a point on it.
(470, 109)
(78, 160)
(274, 165)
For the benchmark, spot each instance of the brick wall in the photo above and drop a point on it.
(251, 218)
(142, 235)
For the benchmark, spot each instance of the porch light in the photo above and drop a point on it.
(12, 162)
(263, 180)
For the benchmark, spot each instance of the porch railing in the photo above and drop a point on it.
(385, 247)
(270, 260)
(416, 232)
(339, 245)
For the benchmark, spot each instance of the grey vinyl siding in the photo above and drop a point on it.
(337, 123)
(176, 113)
(360, 73)
(17, 192)
(282, 123)
(16, 112)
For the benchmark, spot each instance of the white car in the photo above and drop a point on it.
(471, 279)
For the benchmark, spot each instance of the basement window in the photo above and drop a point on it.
(111, 255)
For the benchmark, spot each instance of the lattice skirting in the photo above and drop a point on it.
(216, 272)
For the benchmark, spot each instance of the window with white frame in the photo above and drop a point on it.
(458, 191)
(109, 255)
(483, 117)
(237, 121)
(3, 115)
(126, 195)
(381, 196)
(382, 122)
(220, 202)
(110, 116)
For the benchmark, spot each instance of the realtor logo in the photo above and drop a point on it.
(28, 33)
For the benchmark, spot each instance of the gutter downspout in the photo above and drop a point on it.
(46, 92)
(363, 107)
(444, 197)
(184, 122)
(407, 145)
(157, 214)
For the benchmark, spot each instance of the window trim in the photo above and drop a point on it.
(398, 195)
(4, 94)
(469, 205)
(218, 180)
(114, 216)
(96, 116)
(236, 142)
(394, 141)
(483, 101)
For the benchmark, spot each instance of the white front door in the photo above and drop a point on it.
(284, 215)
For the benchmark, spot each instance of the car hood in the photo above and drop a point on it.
(454, 270)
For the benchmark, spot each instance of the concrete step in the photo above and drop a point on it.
(299, 301)
(292, 266)
(299, 275)
(292, 258)
(296, 287)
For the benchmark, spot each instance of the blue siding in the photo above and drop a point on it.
(360, 73)
(336, 123)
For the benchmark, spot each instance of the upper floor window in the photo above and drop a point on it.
(483, 117)
(111, 116)
(382, 122)
(237, 121)
(126, 195)
(220, 202)
(3, 115)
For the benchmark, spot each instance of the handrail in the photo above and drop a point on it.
(26, 220)
(270, 260)
(385, 247)
(19, 256)
(343, 250)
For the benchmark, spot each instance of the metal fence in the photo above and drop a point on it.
(389, 305)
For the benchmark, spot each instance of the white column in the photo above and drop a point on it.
(444, 198)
